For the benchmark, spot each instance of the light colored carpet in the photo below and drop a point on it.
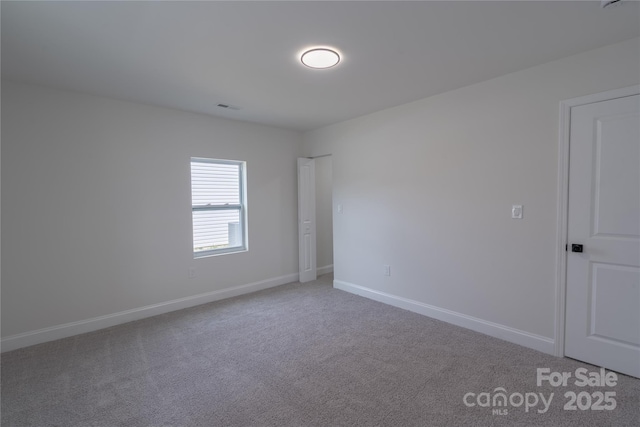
(295, 355)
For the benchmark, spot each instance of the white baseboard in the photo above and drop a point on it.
(74, 328)
(325, 270)
(516, 336)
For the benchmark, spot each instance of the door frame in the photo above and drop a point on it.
(315, 219)
(563, 201)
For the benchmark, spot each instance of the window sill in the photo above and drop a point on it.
(207, 254)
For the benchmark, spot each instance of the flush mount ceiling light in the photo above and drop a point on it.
(320, 57)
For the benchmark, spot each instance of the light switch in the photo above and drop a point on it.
(339, 208)
(516, 211)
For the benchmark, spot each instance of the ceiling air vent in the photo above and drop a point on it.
(607, 3)
(228, 107)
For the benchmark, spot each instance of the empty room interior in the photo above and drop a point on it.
(320, 213)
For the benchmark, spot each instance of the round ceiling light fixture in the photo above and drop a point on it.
(320, 57)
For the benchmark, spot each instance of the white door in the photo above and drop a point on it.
(603, 281)
(307, 219)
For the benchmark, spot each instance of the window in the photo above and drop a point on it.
(218, 206)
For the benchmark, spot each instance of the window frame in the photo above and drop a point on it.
(241, 207)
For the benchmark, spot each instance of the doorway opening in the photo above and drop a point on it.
(315, 217)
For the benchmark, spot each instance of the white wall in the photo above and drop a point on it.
(96, 215)
(427, 188)
(324, 214)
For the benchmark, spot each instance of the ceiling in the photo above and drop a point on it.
(195, 55)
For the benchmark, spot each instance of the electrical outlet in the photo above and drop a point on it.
(387, 270)
(516, 211)
(191, 273)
